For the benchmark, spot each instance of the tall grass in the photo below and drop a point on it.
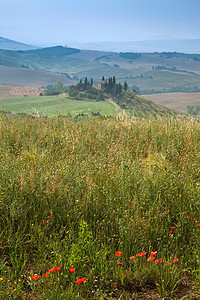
(73, 193)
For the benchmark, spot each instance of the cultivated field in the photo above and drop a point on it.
(101, 208)
(176, 101)
(18, 91)
(54, 106)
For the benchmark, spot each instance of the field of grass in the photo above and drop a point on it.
(54, 106)
(101, 208)
(176, 101)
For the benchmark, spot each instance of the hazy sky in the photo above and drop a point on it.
(46, 22)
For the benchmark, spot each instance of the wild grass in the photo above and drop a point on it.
(74, 192)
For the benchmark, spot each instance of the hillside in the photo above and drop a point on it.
(146, 72)
(31, 77)
(8, 44)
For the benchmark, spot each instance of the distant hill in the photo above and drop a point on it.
(147, 73)
(57, 51)
(147, 46)
(13, 45)
(29, 77)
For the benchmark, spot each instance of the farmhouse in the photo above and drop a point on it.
(100, 84)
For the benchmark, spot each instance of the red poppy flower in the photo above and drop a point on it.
(79, 281)
(198, 225)
(141, 253)
(51, 270)
(125, 276)
(170, 231)
(190, 218)
(58, 268)
(72, 269)
(168, 263)
(49, 217)
(115, 284)
(118, 253)
(175, 259)
(184, 212)
(131, 201)
(153, 253)
(194, 220)
(119, 263)
(45, 275)
(34, 277)
(45, 222)
(132, 257)
(151, 258)
(172, 227)
(159, 260)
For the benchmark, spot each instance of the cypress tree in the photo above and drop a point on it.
(125, 86)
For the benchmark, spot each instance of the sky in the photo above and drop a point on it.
(59, 22)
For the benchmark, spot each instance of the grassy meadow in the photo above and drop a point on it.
(103, 208)
(53, 106)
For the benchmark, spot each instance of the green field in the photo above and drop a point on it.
(109, 202)
(54, 106)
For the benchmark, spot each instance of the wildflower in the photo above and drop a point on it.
(170, 231)
(119, 263)
(118, 253)
(132, 257)
(141, 253)
(125, 276)
(184, 212)
(1, 278)
(131, 201)
(153, 253)
(79, 281)
(151, 258)
(172, 227)
(168, 263)
(175, 259)
(190, 218)
(115, 284)
(34, 277)
(72, 269)
(194, 220)
(51, 270)
(45, 222)
(58, 268)
(49, 217)
(198, 225)
(45, 275)
(159, 260)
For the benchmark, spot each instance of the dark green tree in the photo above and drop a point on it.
(91, 82)
(125, 86)
(59, 85)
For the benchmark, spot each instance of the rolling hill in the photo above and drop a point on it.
(30, 77)
(13, 45)
(146, 72)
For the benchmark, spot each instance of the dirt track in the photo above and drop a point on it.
(19, 91)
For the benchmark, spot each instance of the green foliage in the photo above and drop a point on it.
(129, 55)
(193, 110)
